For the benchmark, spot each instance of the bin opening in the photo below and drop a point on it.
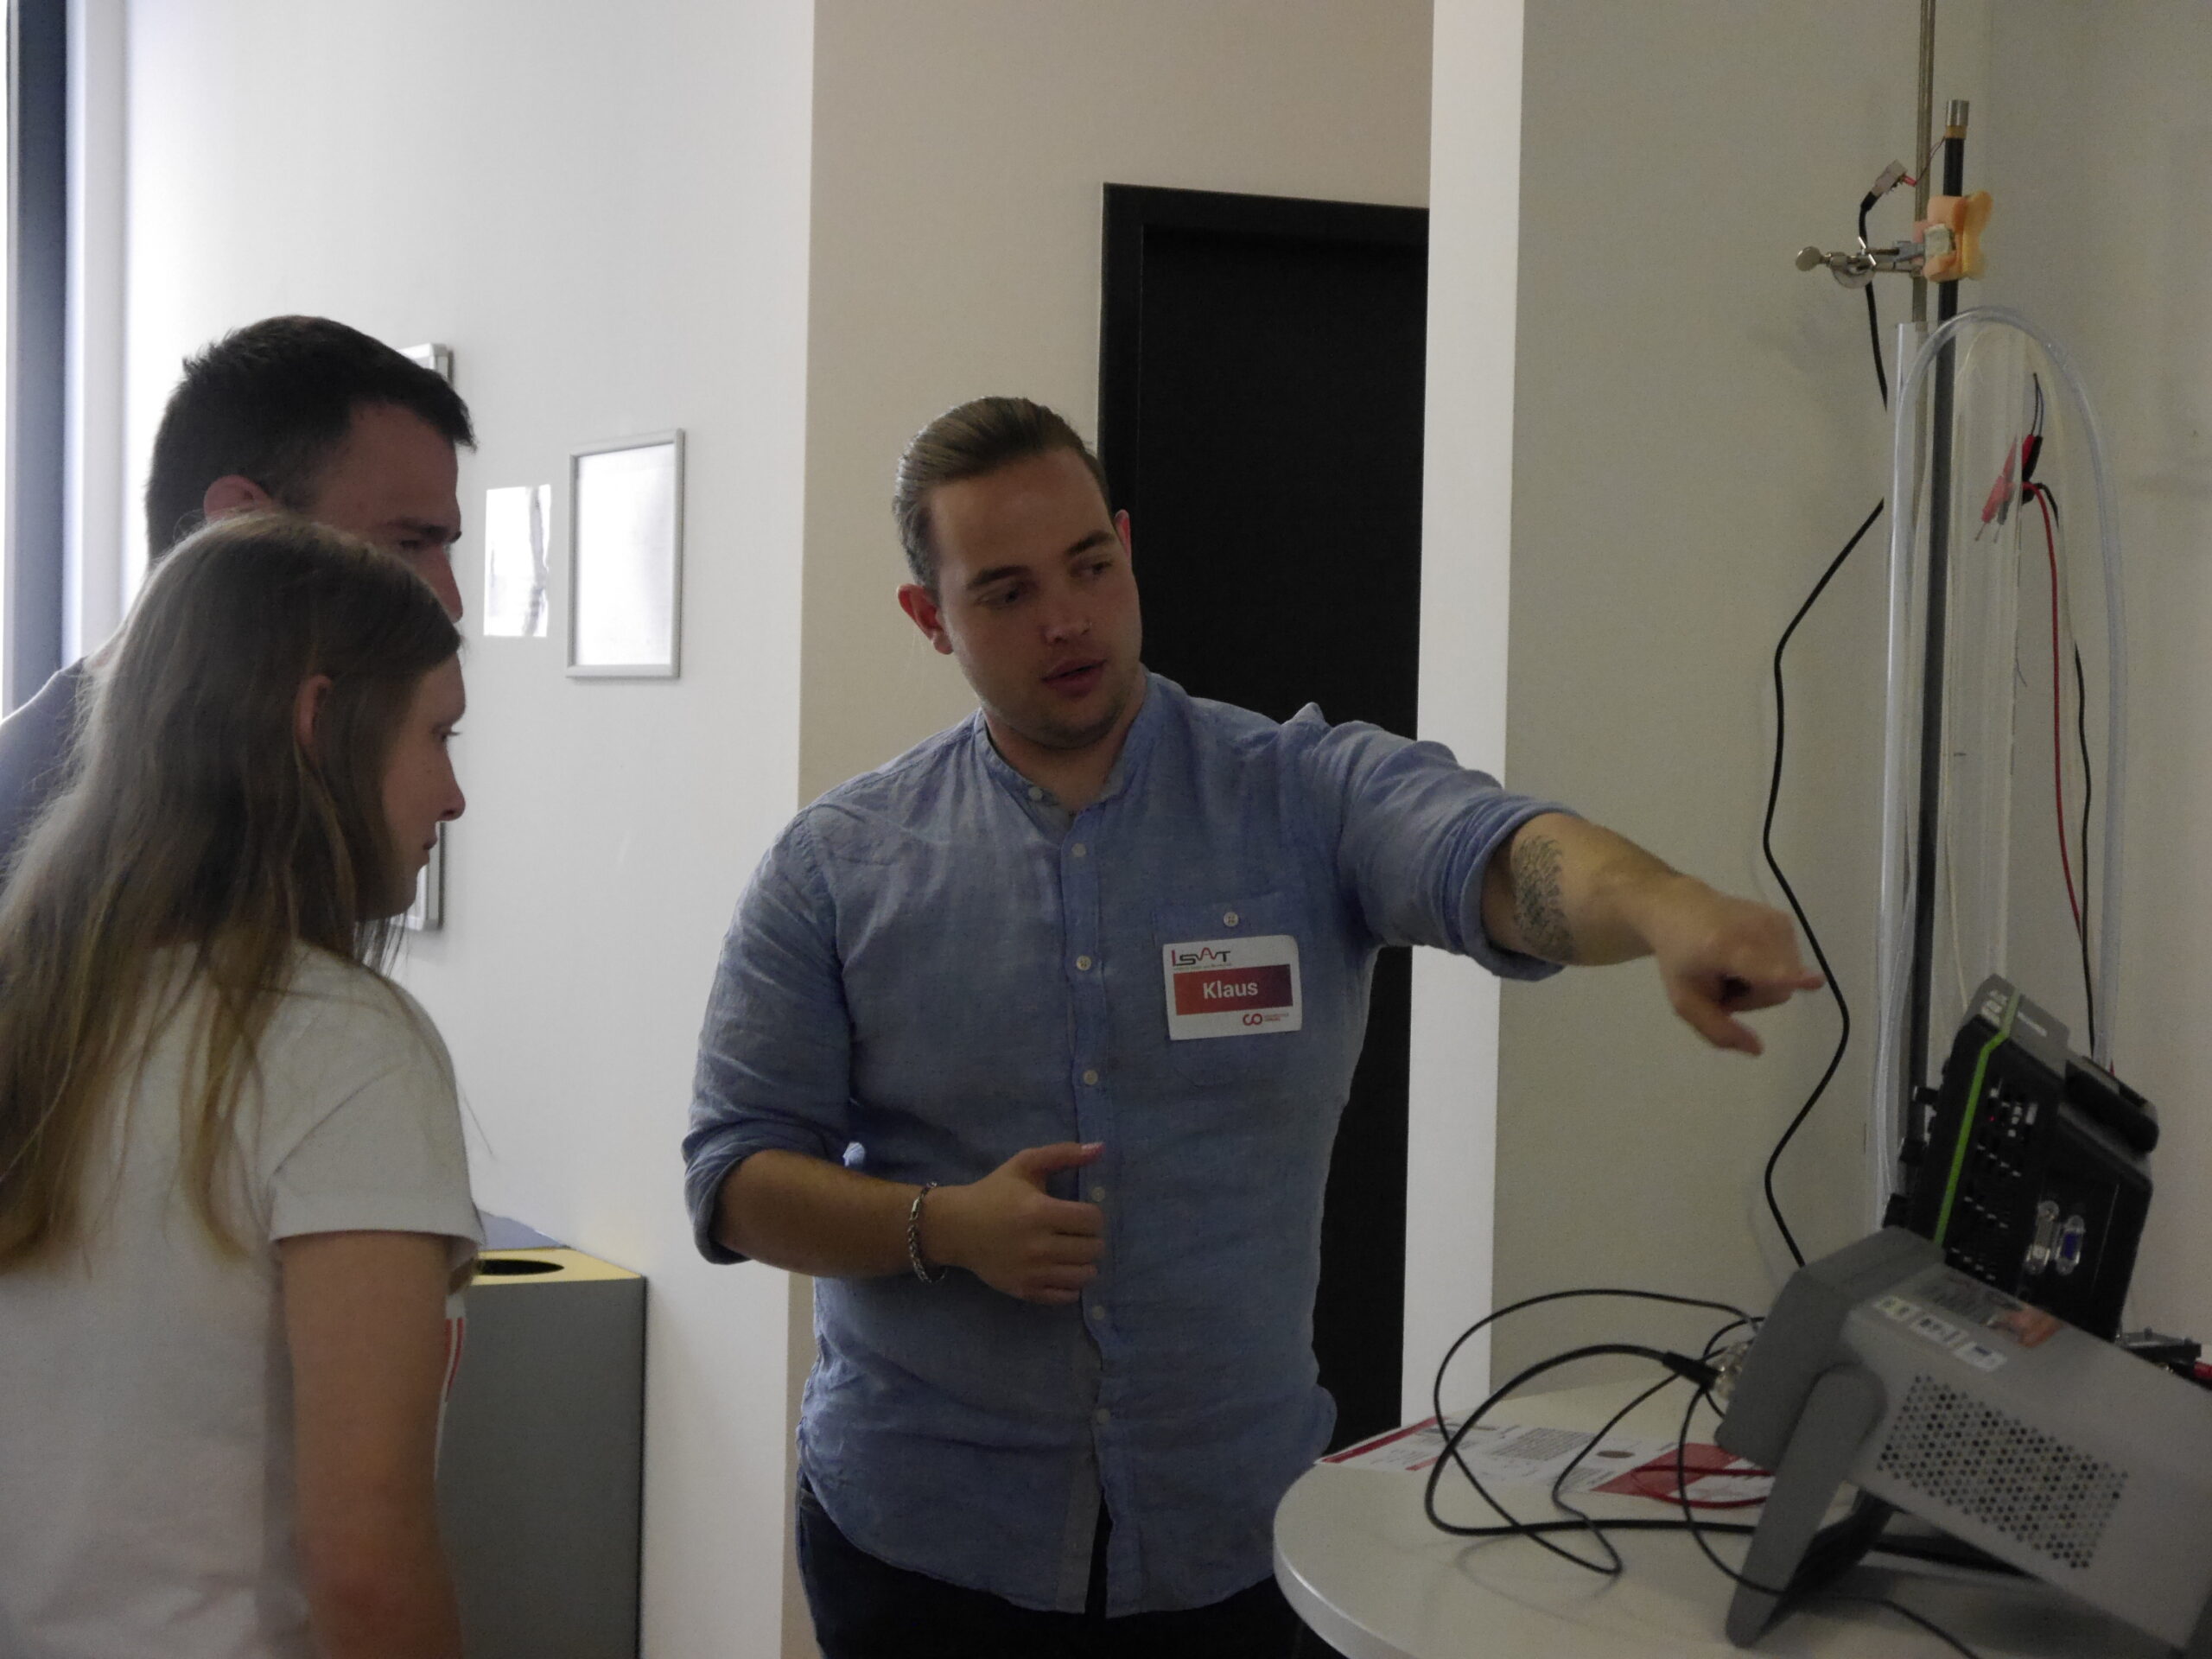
(495, 1267)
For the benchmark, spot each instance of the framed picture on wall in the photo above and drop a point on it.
(428, 913)
(517, 577)
(626, 557)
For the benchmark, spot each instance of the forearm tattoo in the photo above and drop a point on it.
(1538, 909)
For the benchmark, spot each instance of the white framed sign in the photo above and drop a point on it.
(518, 526)
(626, 557)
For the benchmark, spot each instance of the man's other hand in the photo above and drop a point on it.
(1012, 1234)
(1720, 956)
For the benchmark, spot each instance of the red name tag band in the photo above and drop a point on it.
(1218, 990)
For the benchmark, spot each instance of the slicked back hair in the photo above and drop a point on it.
(971, 440)
(272, 401)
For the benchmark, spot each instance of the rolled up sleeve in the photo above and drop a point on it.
(775, 1053)
(1413, 831)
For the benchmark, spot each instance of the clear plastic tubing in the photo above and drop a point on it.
(1901, 740)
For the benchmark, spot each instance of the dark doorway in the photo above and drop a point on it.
(1261, 372)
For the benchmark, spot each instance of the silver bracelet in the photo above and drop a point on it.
(922, 1270)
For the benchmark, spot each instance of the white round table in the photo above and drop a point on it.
(1362, 1566)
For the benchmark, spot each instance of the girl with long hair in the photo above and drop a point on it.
(234, 1195)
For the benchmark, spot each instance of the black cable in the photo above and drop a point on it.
(1903, 1611)
(1774, 796)
(1873, 320)
(1695, 1528)
(1530, 1529)
(1766, 844)
(1436, 1383)
(1875, 333)
(1535, 1531)
(1680, 1364)
(1590, 1524)
(1712, 1343)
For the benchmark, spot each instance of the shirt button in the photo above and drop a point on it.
(1090, 1076)
(1098, 1312)
(1078, 850)
(1229, 919)
(1101, 1416)
(1098, 1192)
(1035, 793)
(1083, 964)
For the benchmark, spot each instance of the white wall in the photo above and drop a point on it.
(2098, 145)
(603, 211)
(1466, 581)
(960, 150)
(1696, 433)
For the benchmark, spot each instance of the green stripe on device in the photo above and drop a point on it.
(1966, 1118)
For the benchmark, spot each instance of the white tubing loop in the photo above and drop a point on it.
(1901, 744)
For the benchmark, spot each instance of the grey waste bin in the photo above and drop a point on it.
(541, 1463)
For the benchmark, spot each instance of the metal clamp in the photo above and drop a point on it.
(1856, 267)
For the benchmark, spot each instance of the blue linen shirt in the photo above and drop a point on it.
(935, 967)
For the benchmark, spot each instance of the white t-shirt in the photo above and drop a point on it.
(146, 1483)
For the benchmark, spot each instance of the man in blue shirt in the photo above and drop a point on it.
(1031, 1045)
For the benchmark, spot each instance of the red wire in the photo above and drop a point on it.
(2058, 715)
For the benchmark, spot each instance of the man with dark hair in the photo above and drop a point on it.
(295, 412)
(1031, 1045)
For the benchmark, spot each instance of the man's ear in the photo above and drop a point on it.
(307, 708)
(1121, 529)
(234, 493)
(928, 615)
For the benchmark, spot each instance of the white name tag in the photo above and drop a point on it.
(1232, 988)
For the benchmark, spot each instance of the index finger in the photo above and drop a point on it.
(1738, 993)
(1767, 967)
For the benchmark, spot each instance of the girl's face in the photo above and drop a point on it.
(420, 791)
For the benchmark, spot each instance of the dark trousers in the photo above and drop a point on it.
(865, 1608)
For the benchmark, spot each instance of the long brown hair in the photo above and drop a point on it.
(196, 821)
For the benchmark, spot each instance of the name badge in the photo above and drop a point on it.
(1232, 988)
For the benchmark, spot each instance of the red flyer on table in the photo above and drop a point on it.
(1717, 1480)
